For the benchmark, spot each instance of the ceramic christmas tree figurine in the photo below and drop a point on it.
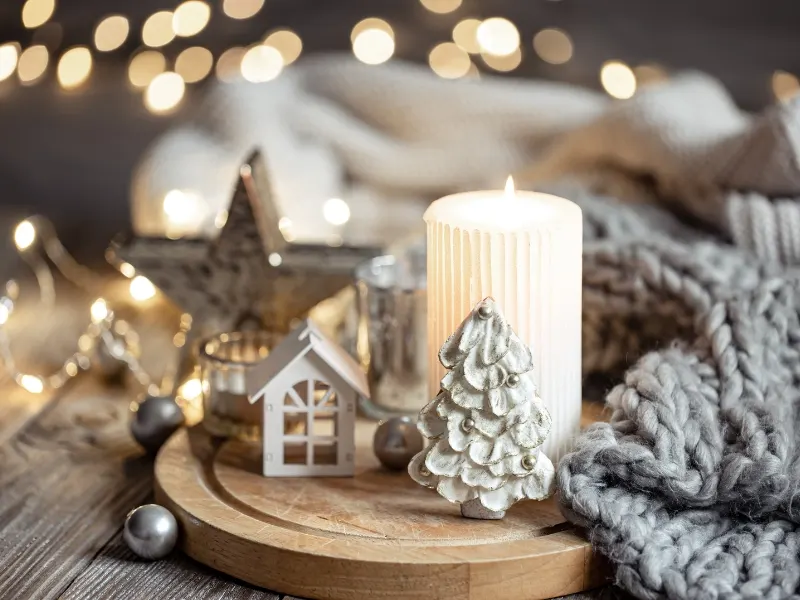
(485, 427)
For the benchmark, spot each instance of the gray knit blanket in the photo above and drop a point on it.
(692, 225)
(692, 487)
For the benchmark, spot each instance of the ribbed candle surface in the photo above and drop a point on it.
(526, 253)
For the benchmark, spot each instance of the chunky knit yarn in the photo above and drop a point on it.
(693, 488)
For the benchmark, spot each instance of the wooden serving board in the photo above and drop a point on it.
(376, 535)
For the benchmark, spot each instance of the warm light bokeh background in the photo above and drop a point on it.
(86, 86)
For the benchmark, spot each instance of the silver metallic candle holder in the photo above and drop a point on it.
(392, 333)
(224, 360)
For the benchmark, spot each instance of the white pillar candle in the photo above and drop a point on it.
(523, 249)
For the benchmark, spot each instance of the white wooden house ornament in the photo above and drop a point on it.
(309, 388)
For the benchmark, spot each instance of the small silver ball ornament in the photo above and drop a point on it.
(150, 531)
(513, 380)
(467, 425)
(396, 442)
(528, 462)
(156, 418)
(485, 311)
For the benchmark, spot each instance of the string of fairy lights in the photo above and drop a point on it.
(36, 242)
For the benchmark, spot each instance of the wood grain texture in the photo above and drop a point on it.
(67, 479)
(117, 573)
(376, 535)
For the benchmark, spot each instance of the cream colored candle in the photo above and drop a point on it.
(524, 249)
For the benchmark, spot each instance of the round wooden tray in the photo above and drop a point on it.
(375, 535)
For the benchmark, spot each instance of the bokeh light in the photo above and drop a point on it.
(185, 211)
(449, 61)
(31, 383)
(127, 269)
(441, 6)
(287, 42)
(74, 67)
(229, 64)
(37, 12)
(373, 46)
(145, 66)
(157, 29)
(9, 54)
(194, 64)
(785, 85)
(498, 36)
(32, 64)
(164, 93)
(24, 235)
(85, 343)
(465, 34)
(99, 310)
(141, 288)
(191, 389)
(503, 63)
(261, 63)
(618, 79)
(190, 18)
(220, 219)
(181, 206)
(111, 33)
(241, 9)
(370, 23)
(336, 211)
(553, 46)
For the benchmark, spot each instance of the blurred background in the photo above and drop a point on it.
(86, 86)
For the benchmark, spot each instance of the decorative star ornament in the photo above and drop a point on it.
(250, 273)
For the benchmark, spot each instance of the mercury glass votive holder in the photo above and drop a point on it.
(392, 333)
(224, 359)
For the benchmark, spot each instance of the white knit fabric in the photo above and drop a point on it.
(388, 139)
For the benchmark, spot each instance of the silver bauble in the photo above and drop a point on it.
(156, 418)
(150, 531)
(396, 442)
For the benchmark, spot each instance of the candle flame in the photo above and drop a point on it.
(510, 194)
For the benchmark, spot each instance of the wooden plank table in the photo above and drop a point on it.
(69, 473)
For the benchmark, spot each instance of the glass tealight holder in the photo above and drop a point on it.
(392, 333)
(224, 359)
